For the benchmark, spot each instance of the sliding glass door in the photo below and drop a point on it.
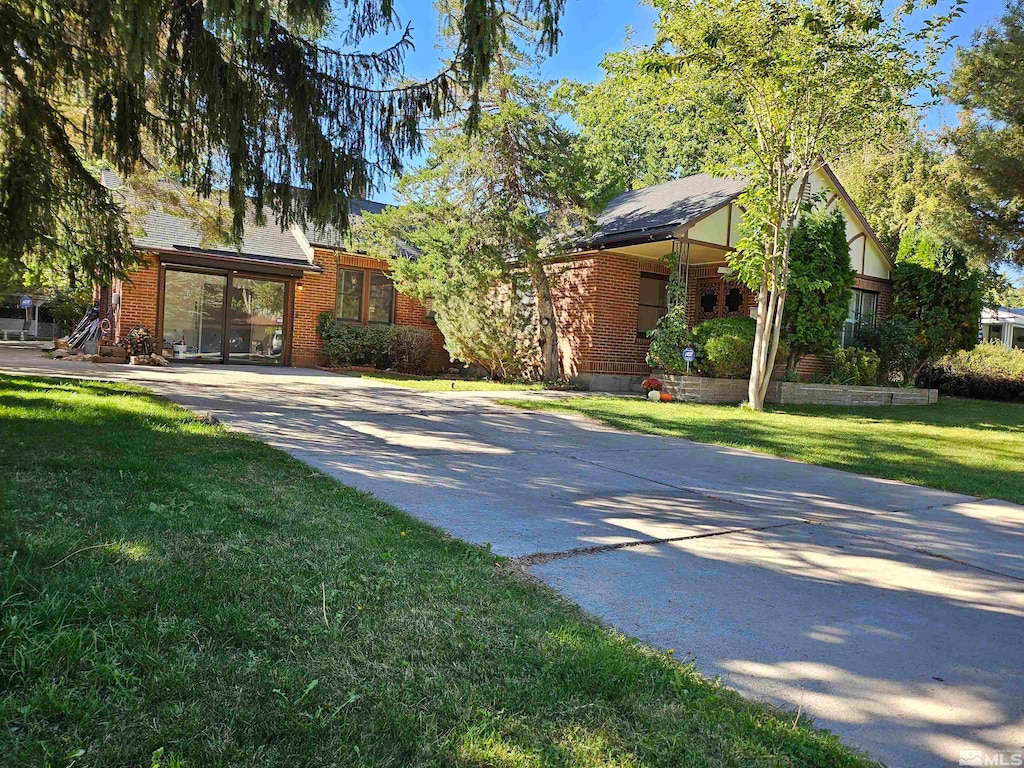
(217, 317)
(257, 321)
(193, 327)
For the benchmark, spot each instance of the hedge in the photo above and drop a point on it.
(397, 347)
(988, 372)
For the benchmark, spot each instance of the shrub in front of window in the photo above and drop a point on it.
(853, 367)
(725, 346)
(989, 371)
(411, 349)
(669, 340)
(379, 346)
(818, 297)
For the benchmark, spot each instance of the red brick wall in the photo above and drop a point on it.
(138, 298)
(573, 292)
(314, 293)
(597, 298)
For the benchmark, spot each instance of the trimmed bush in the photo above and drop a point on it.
(399, 347)
(411, 349)
(988, 372)
(853, 367)
(724, 346)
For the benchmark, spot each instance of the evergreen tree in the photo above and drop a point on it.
(234, 95)
(820, 280)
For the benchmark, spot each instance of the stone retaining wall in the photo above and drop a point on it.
(699, 389)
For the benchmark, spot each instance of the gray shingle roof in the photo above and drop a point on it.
(160, 229)
(667, 205)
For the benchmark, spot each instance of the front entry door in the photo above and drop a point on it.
(222, 317)
(718, 298)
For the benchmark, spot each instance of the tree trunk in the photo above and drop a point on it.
(547, 323)
(771, 297)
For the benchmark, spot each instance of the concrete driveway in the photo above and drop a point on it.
(889, 613)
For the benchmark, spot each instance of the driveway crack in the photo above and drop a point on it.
(539, 558)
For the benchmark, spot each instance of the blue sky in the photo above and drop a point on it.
(592, 28)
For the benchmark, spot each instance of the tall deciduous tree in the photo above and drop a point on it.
(988, 84)
(641, 128)
(936, 291)
(241, 95)
(818, 79)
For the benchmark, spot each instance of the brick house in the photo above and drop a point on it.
(612, 291)
(258, 303)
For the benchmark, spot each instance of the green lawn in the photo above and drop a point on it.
(443, 384)
(969, 446)
(168, 585)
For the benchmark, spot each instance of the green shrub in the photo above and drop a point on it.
(989, 371)
(411, 349)
(381, 346)
(727, 356)
(899, 349)
(669, 340)
(853, 367)
(68, 307)
(724, 346)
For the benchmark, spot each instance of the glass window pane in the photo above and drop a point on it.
(257, 321)
(653, 291)
(648, 317)
(382, 297)
(193, 316)
(869, 308)
(350, 294)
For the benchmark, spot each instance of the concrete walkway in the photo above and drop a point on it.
(889, 613)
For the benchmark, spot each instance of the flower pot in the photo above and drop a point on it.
(654, 395)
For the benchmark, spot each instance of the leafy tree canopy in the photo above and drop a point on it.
(988, 84)
(641, 127)
(818, 80)
(936, 289)
(489, 210)
(241, 96)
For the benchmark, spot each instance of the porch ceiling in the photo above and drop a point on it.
(699, 254)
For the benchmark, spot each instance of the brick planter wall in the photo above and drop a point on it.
(700, 389)
(802, 393)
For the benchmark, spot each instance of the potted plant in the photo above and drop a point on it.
(653, 388)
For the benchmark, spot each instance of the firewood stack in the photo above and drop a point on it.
(140, 346)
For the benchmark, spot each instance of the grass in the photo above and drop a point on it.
(444, 384)
(969, 446)
(171, 588)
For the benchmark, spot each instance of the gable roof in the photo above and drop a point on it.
(665, 206)
(656, 212)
